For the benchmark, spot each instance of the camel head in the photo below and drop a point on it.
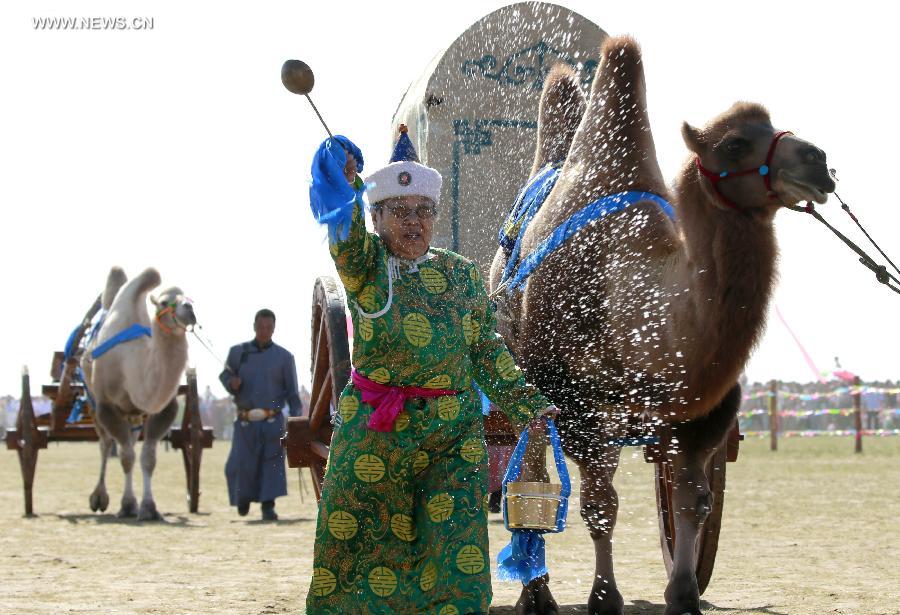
(174, 311)
(748, 165)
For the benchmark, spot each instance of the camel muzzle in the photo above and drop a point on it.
(184, 314)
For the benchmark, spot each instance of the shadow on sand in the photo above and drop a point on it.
(645, 608)
(281, 521)
(111, 519)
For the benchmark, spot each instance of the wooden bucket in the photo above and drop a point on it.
(532, 506)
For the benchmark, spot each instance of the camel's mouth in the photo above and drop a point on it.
(792, 189)
(184, 315)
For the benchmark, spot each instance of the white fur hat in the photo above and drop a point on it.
(404, 176)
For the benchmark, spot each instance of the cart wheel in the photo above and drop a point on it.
(709, 533)
(192, 406)
(310, 435)
(26, 440)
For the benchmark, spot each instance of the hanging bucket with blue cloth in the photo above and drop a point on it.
(536, 505)
(531, 509)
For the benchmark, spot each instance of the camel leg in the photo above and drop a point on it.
(118, 426)
(692, 498)
(156, 427)
(692, 502)
(599, 509)
(99, 499)
(129, 507)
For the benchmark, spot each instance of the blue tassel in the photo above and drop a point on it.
(523, 558)
(331, 196)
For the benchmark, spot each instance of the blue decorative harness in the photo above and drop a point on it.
(130, 333)
(125, 335)
(527, 204)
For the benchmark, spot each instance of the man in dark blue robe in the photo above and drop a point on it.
(262, 377)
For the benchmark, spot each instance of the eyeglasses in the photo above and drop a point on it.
(402, 212)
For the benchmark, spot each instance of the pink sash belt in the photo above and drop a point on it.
(388, 400)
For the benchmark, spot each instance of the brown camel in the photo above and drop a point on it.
(637, 315)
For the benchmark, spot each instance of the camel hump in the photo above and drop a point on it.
(623, 50)
(561, 109)
(114, 281)
(614, 138)
(148, 280)
(621, 73)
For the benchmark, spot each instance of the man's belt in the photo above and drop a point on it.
(257, 414)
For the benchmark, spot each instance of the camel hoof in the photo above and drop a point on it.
(148, 512)
(536, 598)
(99, 500)
(129, 509)
(605, 600)
(495, 501)
(683, 597)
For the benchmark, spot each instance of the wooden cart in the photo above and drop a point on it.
(308, 437)
(33, 433)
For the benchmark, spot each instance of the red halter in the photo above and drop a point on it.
(763, 170)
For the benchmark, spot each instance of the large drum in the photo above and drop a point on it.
(472, 114)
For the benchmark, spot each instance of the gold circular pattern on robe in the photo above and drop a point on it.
(468, 327)
(366, 298)
(402, 421)
(380, 375)
(420, 462)
(323, 582)
(472, 450)
(448, 609)
(448, 407)
(368, 468)
(438, 382)
(342, 525)
(470, 560)
(352, 282)
(417, 329)
(382, 581)
(366, 329)
(434, 280)
(428, 578)
(440, 507)
(506, 366)
(403, 527)
(348, 407)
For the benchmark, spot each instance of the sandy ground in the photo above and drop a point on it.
(812, 528)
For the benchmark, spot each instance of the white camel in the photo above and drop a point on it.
(136, 378)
